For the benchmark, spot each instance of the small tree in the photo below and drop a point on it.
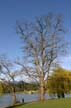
(59, 82)
(42, 44)
(9, 76)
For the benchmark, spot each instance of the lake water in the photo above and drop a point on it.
(6, 100)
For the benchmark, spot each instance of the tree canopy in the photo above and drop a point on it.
(59, 82)
(42, 43)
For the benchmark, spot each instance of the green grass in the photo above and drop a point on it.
(55, 103)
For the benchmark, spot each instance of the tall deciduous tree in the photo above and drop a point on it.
(42, 42)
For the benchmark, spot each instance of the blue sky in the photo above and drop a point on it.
(13, 10)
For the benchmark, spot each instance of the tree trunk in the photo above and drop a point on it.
(62, 94)
(58, 95)
(14, 95)
(14, 98)
(42, 91)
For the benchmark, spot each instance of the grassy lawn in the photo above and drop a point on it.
(55, 103)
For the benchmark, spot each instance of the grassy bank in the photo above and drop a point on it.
(55, 103)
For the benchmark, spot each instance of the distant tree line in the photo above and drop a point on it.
(20, 86)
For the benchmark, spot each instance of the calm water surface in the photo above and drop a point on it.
(6, 100)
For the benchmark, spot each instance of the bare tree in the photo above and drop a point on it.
(7, 75)
(42, 42)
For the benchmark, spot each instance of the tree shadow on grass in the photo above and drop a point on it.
(17, 105)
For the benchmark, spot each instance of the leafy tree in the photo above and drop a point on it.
(59, 82)
(42, 44)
